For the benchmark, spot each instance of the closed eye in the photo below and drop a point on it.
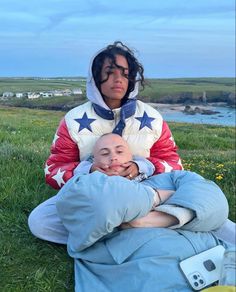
(124, 71)
(104, 153)
(119, 152)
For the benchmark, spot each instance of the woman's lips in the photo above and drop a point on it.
(117, 88)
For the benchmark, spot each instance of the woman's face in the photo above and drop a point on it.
(115, 88)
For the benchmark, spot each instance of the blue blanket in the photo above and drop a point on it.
(140, 259)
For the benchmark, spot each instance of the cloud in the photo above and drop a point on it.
(39, 30)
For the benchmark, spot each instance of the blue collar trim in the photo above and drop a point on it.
(127, 110)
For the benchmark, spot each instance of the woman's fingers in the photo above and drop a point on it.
(130, 170)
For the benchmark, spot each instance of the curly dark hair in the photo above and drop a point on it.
(135, 68)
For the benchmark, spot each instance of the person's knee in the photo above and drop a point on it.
(36, 224)
(45, 224)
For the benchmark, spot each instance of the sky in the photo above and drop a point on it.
(171, 38)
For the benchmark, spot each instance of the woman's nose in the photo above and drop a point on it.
(117, 73)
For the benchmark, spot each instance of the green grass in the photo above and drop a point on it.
(31, 84)
(215, 88)
(163, 85)
(29, 264)
(36, 85)
(55, 103)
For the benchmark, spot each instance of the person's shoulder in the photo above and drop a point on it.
(142, 106)
(146, 105)
(78, 110)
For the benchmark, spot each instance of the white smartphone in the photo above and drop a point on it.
(203, 269)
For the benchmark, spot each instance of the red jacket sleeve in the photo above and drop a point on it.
(63, 159)
(163, 153)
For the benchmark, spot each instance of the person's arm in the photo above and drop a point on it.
(204, 198)
(197, 203)
(163, 215)
(163, 153)
(63, 159)
(152, 219)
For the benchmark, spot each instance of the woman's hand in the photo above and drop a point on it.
(130, 170)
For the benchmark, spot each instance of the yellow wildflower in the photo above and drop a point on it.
(220, 165)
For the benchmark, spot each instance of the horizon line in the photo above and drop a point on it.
(82, 77)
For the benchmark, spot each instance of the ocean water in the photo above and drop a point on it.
(225, 117)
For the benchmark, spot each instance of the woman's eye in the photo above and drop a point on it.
(125, 73)
(109, 71)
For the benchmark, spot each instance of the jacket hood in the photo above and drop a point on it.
(94, 95)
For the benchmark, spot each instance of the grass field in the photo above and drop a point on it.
(31, 84)
(163, 85)
(29, 264)
(215, 88)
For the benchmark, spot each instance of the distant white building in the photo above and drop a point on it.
(46, 94)
(33, 95)
(58, 93)
(67, 92)
(7, 94)
(77, 91)
(21, 94)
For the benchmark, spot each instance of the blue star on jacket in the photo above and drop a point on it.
(85, 122)
(145, 121)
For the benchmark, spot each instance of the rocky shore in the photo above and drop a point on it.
(215, 113)
(203, 109)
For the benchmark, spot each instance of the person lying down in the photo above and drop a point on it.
(97, 208)
(149, 202)
(111, 154)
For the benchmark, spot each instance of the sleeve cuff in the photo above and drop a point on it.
(145, 166)
(183, 215)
